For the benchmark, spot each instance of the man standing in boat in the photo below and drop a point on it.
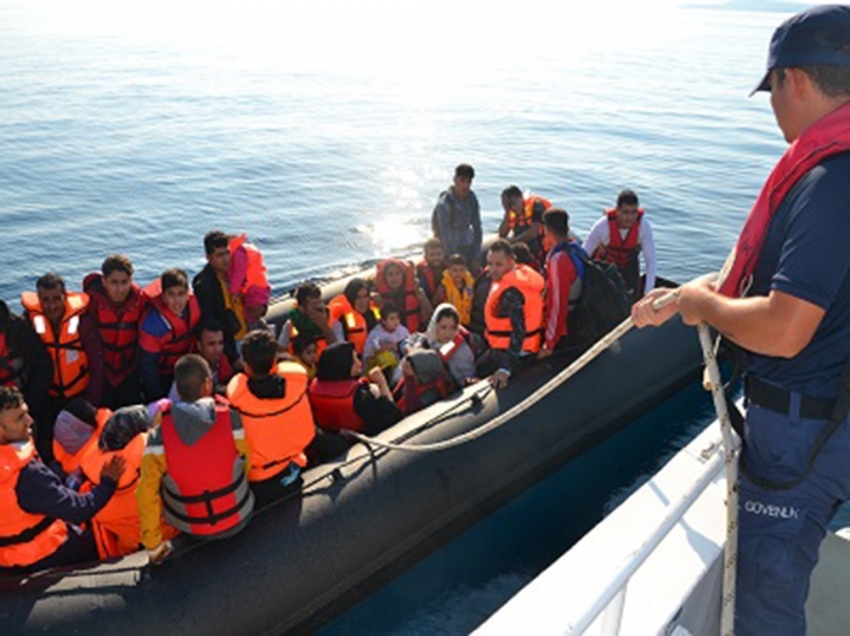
(619, 237)
(456, 220)
(786, 300)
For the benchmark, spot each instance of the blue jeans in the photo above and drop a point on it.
(780, 531)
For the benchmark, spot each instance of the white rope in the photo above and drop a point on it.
(730, 456)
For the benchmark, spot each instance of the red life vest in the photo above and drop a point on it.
(180, 337)
(828, 136)
(354, 327)
(205, 491)
(117, 523)
(25, 538)
(277, 429)
(255, 271)
(429, 280)
(439, 385)
(449, 349)
(410, 313)
(332, 403)
(70, 362)
(10, 367)
(620, 251)
(499, 329)
(119, 327)
(517, 223)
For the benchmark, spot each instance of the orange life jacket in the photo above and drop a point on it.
(354, 327)
(410, 313)
(25, 538)
(499, 329)
(333, 406)
(117, 524)
(517, 223)
(70, 363)
(204, 492)
(180, 337)
(119, 327)
(70, 462)
(255, 275)
(279, 429)
(620, 251)
(10, 368)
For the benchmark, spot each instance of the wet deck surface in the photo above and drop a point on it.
(828, 608)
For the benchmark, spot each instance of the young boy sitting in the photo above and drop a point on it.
(382, 344)
(306, 353)
(458, 284)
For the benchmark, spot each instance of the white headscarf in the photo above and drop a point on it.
(431, 332)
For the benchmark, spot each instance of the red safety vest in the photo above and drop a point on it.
(279, 429)
(180, 337)
(204, 491)
(25, 538)
(439, 385)
(828, 136)
(449, 349)
(70, 363)
(117, 524)
(499, 329)
(517, 222)
(10, 368)
(620, 251)
(119, 327)
(255, 274)
(332, 403)
(428, 279)
(410, 313)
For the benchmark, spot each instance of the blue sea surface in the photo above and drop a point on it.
(326, 131)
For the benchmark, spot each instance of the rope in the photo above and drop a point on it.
(582, 361)
(730, 456)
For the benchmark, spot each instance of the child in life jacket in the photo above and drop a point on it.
(458, 283)
(453, 343)
(306, 351)
(424, 381)
(382, 344)
(247, 279)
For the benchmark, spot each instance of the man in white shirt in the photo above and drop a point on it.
(619, 236)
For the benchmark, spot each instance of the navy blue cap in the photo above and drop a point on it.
(811, 38)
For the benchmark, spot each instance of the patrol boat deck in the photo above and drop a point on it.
(654, 565)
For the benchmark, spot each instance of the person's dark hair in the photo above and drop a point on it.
(116, 263)
(504, 247)
(522, 253)
(210, 324)
(259, 350)
(511, 193)
(190, 373)
(301, 342)
(627, 197)
(431, 243)
(51, 280)
(388, 308)
(174, 277)
(832, 80)
(306, 291)
(352, 289)
(215, 239)
(465, 170)
(457, 259)
(335, 362)
(448, 311)
(557, 221)
(10, 398)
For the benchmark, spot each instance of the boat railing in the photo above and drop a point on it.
(609, 603)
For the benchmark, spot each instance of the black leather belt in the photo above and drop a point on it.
(778, 400)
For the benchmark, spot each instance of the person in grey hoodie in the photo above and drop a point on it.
(456, 220)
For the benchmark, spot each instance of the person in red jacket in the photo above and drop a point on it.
(117, 305)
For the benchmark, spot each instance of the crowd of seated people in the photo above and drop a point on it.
(131, 414)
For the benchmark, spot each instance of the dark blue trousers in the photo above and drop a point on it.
(781, 530)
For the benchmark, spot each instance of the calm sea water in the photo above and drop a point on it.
(327, 131)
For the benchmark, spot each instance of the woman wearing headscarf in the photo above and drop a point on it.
(352, 314)
(449, 339)
(342, 399)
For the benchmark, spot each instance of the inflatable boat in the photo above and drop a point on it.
(371, 513)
